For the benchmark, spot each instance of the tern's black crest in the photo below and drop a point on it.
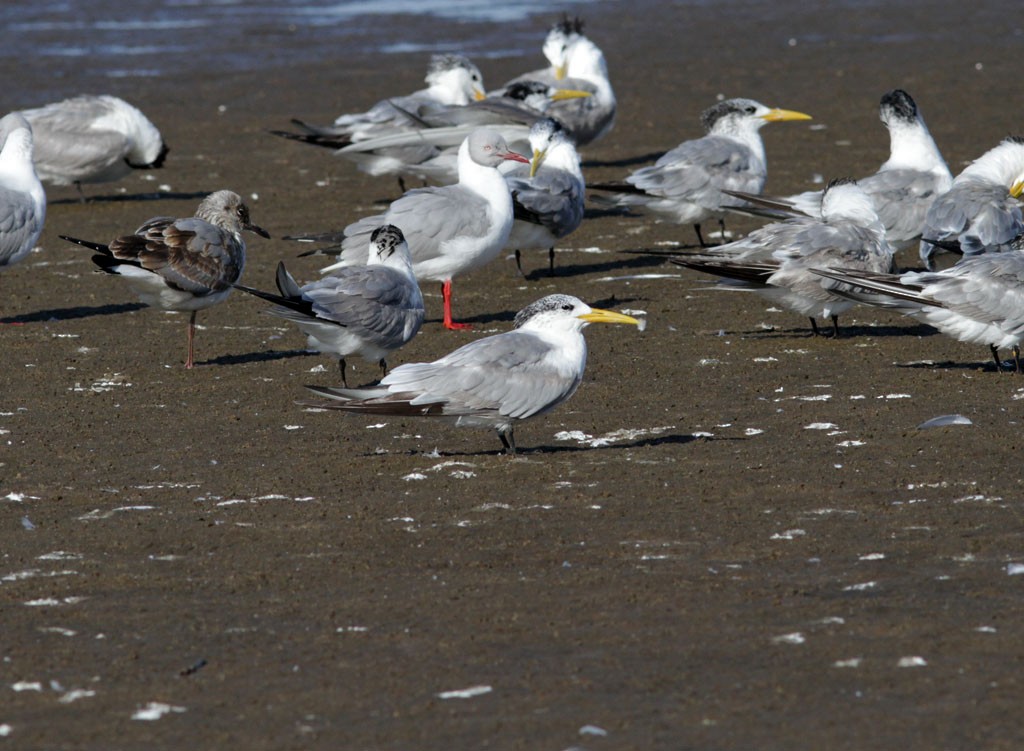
(839, 181)
(385, 239)
(568, 25)
(522, 90)
(712, 115)
(544, 305)
(1014, 139)
(900, 103)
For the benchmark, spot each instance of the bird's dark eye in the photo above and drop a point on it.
(567, 306)
(751, 110)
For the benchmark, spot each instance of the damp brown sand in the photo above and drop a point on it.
(733, 537)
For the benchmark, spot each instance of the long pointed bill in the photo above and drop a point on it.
(778, 116)
(479, 95)
(538, 157)
(258, 230)
(1017, 188)
(597, 315)
(561, 94)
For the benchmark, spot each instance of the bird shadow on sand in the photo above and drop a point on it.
(851, 333)
(629, 161)
(675, 439)
(985, 366)
(570, 270)
(249, 357)
(65, 314)
(133, 197)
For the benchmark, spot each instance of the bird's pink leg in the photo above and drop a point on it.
(191, 336)
(446, 293)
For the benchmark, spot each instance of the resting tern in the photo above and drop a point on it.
(980, 300)
(369, 310)
(491, 382)
(685, 185)
(981, 212)
(903, 188)
(777, 260)
(547, 198)
(451, 80)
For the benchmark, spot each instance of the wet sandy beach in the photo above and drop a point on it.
(734, 536)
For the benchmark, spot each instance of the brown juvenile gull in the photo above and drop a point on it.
(182, 264)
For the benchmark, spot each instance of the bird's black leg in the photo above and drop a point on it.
(721, 228)
(344, 380)
(401, 184)
(383, 367)
(551, 261)
(835, 327)
(814, 328)
(508, 441)
(995, 356)
(1016, 357)
(519, 264)
(700, 237)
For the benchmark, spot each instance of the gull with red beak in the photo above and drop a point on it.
(451, 230)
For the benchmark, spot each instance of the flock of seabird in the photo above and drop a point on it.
(822, 252)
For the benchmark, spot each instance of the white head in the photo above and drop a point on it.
(558, 41)
(455, 80)
(564, 313)
(843, 199)
(736, 116)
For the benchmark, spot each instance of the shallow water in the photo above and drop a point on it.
(57, 41)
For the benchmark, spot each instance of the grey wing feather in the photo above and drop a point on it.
(699, 169)
(555, 199)
(20, 226)
(370, 300)
(429, 217)
(502, 374)
(902, 199)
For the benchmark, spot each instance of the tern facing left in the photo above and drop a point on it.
(182, 264)
(547, 197)
(491, 382)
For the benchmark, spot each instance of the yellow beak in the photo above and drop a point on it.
(538, 157)
(561, 71)
(479, 95)
(1017, 188)
(597, 315)
(778, 116)
(569, 94)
